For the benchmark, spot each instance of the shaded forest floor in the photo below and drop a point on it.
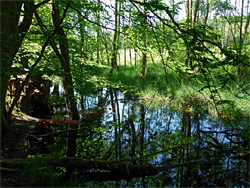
(13, 144)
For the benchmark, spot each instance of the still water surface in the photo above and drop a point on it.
(165, 137)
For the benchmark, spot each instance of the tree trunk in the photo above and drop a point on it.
(135, 55)
(125, 55)
(98, 32)
(189, 18)
(83, 58)
(241, 36)
(196, 8)
(114, 45)
(130, 54)
(12, 35)
(207, 12)
(118, 37)
(65, 65)
(106, 45)
(144, 55)
(67, 83)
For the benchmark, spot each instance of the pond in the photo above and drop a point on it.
(214, 151)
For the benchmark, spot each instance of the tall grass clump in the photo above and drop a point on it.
(127, 75)
(156, 84)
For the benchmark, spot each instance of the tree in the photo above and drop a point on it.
(196, 10)
(13, 33)
(189, 21)
(114, 44)
(64, 61)
(98, 32)
(144, 38)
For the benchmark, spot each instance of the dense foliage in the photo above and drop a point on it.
(192, 56)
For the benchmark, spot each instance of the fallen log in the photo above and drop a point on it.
(113, 170)
(61, 121)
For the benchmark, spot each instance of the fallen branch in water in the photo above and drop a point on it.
(113, 170)
(63, 131)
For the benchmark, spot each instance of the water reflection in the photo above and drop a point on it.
(126, 128)
(187, 137)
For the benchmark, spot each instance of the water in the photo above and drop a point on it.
(162, 136)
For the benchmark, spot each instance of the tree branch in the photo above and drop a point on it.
(117, 170)
(34, 65)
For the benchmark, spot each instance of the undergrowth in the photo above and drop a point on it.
(38, 173)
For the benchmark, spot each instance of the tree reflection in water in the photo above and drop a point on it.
(145, 135)
(183, 137)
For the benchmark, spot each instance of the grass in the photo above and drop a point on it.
(179, 89)
(182, 90)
